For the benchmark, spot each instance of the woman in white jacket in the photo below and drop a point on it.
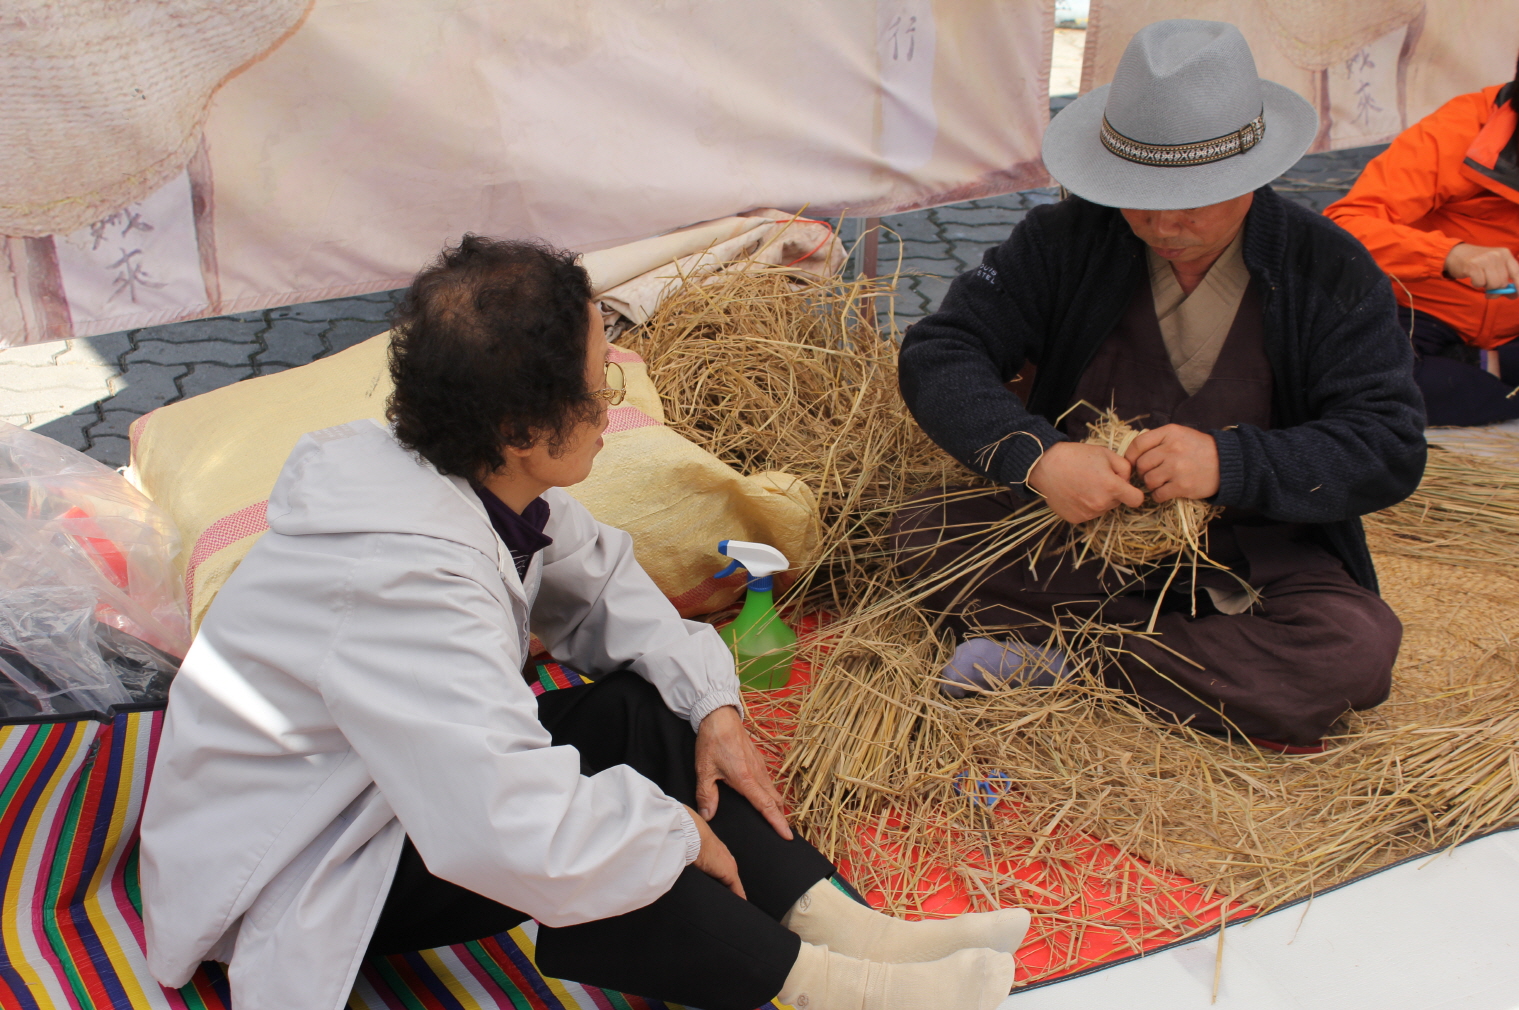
(352, 761)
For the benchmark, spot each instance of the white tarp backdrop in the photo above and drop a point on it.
(167, 159)
(333, 149)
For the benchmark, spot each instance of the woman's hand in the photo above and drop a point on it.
(714, 859)
(1486, 267)
(725, 751)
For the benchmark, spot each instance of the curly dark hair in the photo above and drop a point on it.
(488, 351)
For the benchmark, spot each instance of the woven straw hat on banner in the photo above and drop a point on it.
(105, 99)
(1316, 35)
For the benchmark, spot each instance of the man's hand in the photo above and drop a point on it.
(724, 751)
(714, 859)
(1486, 267)
(1081, 482)
(1176, 462)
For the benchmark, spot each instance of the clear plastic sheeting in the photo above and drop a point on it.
(92, 613)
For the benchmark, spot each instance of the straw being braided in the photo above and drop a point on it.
(1126, 536)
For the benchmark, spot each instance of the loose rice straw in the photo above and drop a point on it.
(1088, 793)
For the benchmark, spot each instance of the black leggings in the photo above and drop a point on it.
(1457, 389)
(699, 944)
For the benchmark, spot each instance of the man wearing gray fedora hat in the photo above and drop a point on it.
(1256, 343)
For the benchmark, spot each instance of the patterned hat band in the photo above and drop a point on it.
(1181, 155)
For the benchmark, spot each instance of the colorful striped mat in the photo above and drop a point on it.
(555, 677)
(70, 924)
(70, 916)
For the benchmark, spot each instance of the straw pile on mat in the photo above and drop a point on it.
(1466, 511)
(907, 786)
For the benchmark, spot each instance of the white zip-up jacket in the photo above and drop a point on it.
(358, 680)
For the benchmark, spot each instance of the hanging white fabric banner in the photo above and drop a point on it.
(333, 149)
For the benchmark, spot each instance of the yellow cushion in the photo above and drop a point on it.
(212, 460)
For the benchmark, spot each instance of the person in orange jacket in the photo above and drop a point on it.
(1439, 209)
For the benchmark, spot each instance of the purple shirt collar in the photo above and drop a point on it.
(522, 534)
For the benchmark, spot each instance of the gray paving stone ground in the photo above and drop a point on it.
(86, 392)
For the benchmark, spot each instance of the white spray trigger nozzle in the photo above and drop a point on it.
(759, 560)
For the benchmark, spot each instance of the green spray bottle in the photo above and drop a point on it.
(763, 646)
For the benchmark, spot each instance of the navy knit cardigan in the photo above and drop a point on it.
(1348, 429)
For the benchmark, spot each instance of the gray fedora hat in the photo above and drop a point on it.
(1187, 122)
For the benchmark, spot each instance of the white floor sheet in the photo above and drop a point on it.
(1439, 933)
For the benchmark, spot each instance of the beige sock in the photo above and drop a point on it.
(825, 915)
(822, 979)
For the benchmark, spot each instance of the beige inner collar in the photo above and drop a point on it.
(1195, 326)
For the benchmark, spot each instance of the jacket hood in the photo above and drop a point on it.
(356, 478)
(1489, 162)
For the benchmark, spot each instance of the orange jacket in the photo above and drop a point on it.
(1438, 185)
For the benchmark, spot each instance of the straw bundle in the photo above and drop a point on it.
(1465, 512)
(1012, 794)
(1127, 536)
(768, 368)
